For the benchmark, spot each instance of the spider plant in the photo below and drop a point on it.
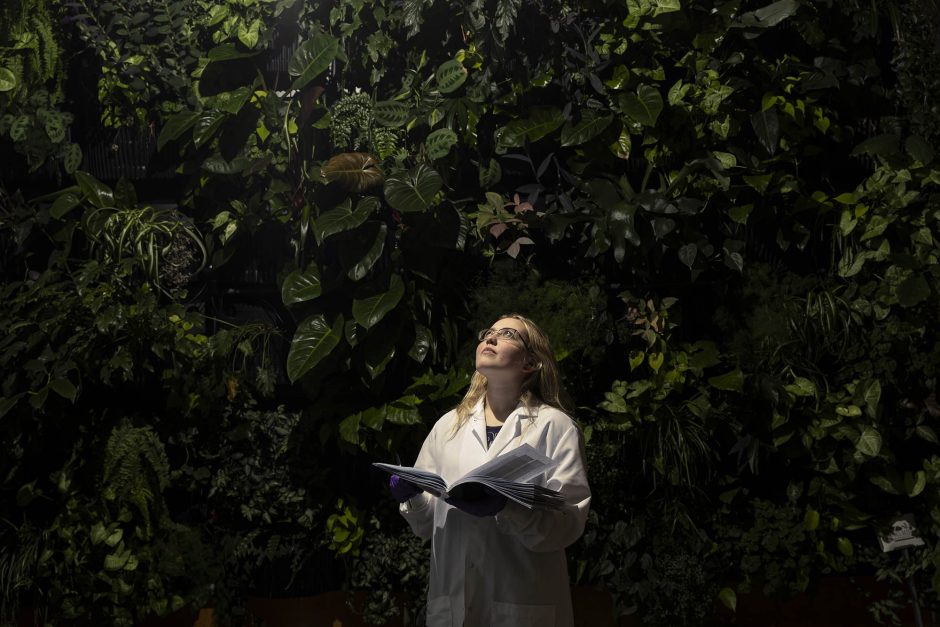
(149, 237)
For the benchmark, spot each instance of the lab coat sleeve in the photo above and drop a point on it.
(552, 530)
(419, 510)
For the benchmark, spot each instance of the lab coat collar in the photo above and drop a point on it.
(512, 427)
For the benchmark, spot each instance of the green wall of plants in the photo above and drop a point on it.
(246, 245)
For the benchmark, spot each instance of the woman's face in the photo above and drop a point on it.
(501, 356)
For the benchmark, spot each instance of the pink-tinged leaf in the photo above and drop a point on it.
(498, 229)
(520, 207)
(516, 247)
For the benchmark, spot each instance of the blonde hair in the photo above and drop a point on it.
(542, 386)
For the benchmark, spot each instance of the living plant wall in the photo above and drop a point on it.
(246, 246)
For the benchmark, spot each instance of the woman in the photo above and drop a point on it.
(493, 562)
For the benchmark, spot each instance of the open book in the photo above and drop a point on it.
(509, 474)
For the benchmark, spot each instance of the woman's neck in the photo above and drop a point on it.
(499, 403)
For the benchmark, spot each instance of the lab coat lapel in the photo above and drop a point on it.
(478, 428)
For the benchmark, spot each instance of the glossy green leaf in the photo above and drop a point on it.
(64, 388)
(379, 351)
(801, 387)
(768, 16)
(312, 342)
(766, 125)
(175, 126)
(915, 482)
(885, 145)
(206, 125)
(731, 381)
(541, 122)
(422, 345)
(344, 217)
(349, 428)
(450, 75)
(354, 171)
(872, 397)
(644, 106)
(913, 291)
(413, 191)
(96, 192)
(869, 442)
(811, 520)
(369, 310)
(312, 58)
(375, 235)
(249, 34)
(439, 143)
(301, 286)
(622, 147)
(230, 101)
(919, 149)
(844, 545)
(687, 254)
(588, 128)
(228, 52)
(7, 80)
(391, 113)
(63, 204)
(923, 431)
(728, 598)
(404, 411)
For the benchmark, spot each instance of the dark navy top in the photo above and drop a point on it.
(491, 434)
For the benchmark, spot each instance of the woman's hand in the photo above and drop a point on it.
(402, 490)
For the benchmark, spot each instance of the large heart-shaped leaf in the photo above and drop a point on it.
(644, 106)
(301, 286)
(540, 123)
(344, 217)
(228, 52)
(97, 193)
(440, 142)
(369, 310)
(390, 113)
(175, 126)
(375, 241)
(767, 127)
(869, 442)
(63, 204)
(313, 340)
(450, 76)
(588, 128)
(414, 190)
(354, 171)
(312, 58)
(206, 125)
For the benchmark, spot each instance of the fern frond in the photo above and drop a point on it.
(506, 12)
(136, 471)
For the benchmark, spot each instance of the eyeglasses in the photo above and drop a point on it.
(502, 334)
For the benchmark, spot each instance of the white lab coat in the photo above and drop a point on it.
(508, 570)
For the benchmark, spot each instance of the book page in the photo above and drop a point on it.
(519, 465)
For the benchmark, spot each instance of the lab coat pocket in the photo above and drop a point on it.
(439, 614)
(515, 615)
